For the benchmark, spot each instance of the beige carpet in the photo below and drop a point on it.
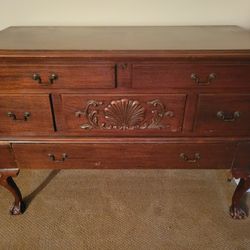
(123, 210)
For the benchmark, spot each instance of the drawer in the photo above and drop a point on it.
(241, 164)
(223, 113)
(98, 75)
(25, 115)
(123, 114)
(190, 75)
(124, 155)
(6, 156)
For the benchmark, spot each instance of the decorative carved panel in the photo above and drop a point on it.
(124, 114)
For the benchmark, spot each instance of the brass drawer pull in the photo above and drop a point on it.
(209, 80)
(13, 116)
(52, 78)
(185, 158)
(52, 157)
(37, 77)
(226, 117)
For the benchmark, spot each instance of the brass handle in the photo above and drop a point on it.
(185, 158)
(228, 117)
(52, 157)
(209, 80)
(52, 78)
(37, 77)
(13, 116)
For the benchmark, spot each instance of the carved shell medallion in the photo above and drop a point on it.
(124, 114)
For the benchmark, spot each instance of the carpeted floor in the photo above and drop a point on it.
(123, 210)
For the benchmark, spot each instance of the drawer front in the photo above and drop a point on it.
(241, 164)
(91, 76)
(223, 114)
(124, 155)
(6, 157)
(25, 115)
(190, 75)
(123, 115)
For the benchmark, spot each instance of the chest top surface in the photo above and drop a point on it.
(161, 38)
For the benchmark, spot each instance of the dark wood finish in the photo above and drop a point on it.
(241, 164)
(6, 156)
(190, 75)
(73, 76)
(123, 114)
(125, 155)
(236, 210)
(7, 182)
(14, 121)
(241, 169)
(190, 112)
(223, 114)
(124, 74)
(125, 97)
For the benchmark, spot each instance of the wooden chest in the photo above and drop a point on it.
(125, 97)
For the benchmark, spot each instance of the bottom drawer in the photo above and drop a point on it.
(124, 155)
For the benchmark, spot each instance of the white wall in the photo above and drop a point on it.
(124, 12)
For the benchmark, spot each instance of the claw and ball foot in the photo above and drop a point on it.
(7, 182)
(235, 210)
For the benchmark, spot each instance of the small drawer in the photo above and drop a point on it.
(6, 156)
(25, 115)
(223, 114)
(73, 76)
(241, 164)
(125, 155)
(123, 114)
(190, 75)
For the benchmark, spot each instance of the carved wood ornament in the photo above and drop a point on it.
(7, 182)
(124, 114)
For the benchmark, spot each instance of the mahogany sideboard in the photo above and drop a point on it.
(125, 97)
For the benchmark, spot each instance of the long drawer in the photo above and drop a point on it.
(125, 155)
(6, 156)
(73, 76)
(190, 75)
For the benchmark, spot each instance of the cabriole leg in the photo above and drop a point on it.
(235, 210)
(7, 182)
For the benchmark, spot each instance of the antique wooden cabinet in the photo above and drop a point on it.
(125, 97)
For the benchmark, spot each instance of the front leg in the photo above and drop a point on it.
(235, 210)
(7, 182)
